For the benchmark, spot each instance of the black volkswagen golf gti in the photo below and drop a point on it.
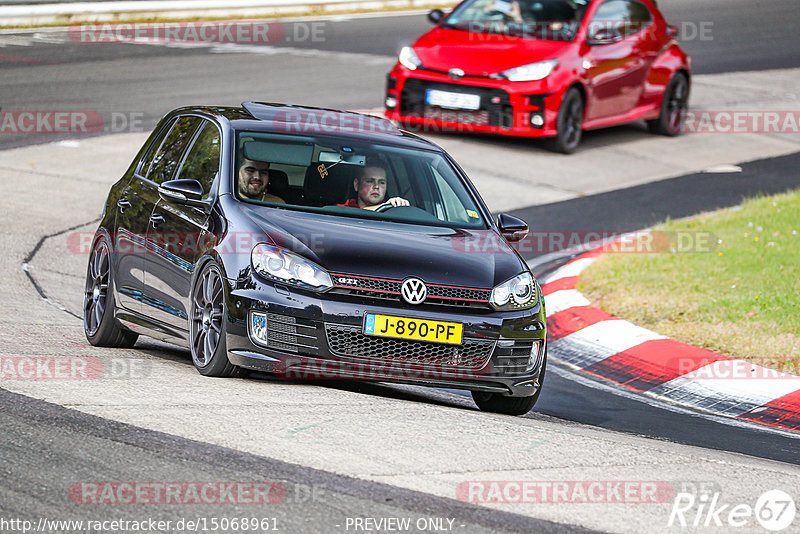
(316, 244)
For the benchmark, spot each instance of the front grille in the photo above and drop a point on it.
(385, 289)
(511, 356)
(495, 108)
(283, 332)
(350, 342)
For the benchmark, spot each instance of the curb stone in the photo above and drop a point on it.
(592, 341)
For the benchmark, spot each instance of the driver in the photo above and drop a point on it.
(253, 181)
(370, 187)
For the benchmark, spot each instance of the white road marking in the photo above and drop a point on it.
(571, 269)
(564, 299)
(662, 403)
(600, 341)
(719, 387)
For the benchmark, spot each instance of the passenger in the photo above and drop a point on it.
(370, 187)
(253, 181)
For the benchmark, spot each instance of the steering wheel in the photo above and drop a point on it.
(385, 207)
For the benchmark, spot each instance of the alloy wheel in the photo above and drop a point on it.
(95, 296)
(207, 311)
(573, 122)
(677, 104)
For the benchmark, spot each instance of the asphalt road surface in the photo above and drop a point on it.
(46, 447)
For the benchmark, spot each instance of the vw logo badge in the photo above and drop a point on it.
(413, 290)
(456, 74)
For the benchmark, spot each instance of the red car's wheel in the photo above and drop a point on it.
(673, 107)
(569, 126)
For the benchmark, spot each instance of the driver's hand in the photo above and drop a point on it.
(397, 201)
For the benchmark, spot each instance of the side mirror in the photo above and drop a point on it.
(513, 229)
(672, 31)
(188, 192)
(602, 36)
(436, 15)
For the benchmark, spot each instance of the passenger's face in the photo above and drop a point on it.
(371, 187)
(253, 178)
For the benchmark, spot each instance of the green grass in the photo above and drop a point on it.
(740, 296)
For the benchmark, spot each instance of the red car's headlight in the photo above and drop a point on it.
(408, 58)
(531, 72)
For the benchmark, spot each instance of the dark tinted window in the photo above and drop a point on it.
(154, 146)
(169, 154)
(533, 19)
(622, 17)
(640, 14)
(327, 168)
(202, 161)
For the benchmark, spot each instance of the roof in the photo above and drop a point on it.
(293, 119)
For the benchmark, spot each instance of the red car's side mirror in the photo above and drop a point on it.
(672, 31)
(435, 16)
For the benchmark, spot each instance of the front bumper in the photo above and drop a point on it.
(307, 336)
(506, 108)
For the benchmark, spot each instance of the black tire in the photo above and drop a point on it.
(99, 324)
(673, 107)
(207, 325)
(569, 125)
(494, 402)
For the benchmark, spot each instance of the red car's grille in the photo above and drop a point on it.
(495, 108)
(452, 115)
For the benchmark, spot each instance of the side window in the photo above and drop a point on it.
(202, 161)
(169, 154)
(454, 210)
(640, 16)
(154, 146)
(623, 17)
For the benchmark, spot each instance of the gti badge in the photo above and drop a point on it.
(347, 281)
(413, 290)
(456, 74)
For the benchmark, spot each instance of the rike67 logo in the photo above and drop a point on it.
(774, 510)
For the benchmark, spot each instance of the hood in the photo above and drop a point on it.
(482, 54)
(437, 255)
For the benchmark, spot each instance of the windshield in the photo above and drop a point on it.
(555, 20)
(353, 178)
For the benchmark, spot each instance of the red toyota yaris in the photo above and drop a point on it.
(542, 68)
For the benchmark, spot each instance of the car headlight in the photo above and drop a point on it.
(531, 72)
(408, 58)
(519, 293)
(283, 266)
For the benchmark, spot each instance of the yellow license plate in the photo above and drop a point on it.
(407, 328)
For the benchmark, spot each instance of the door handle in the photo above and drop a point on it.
(155, 220)
(123, 203)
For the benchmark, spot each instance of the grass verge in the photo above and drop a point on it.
(738, 296)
